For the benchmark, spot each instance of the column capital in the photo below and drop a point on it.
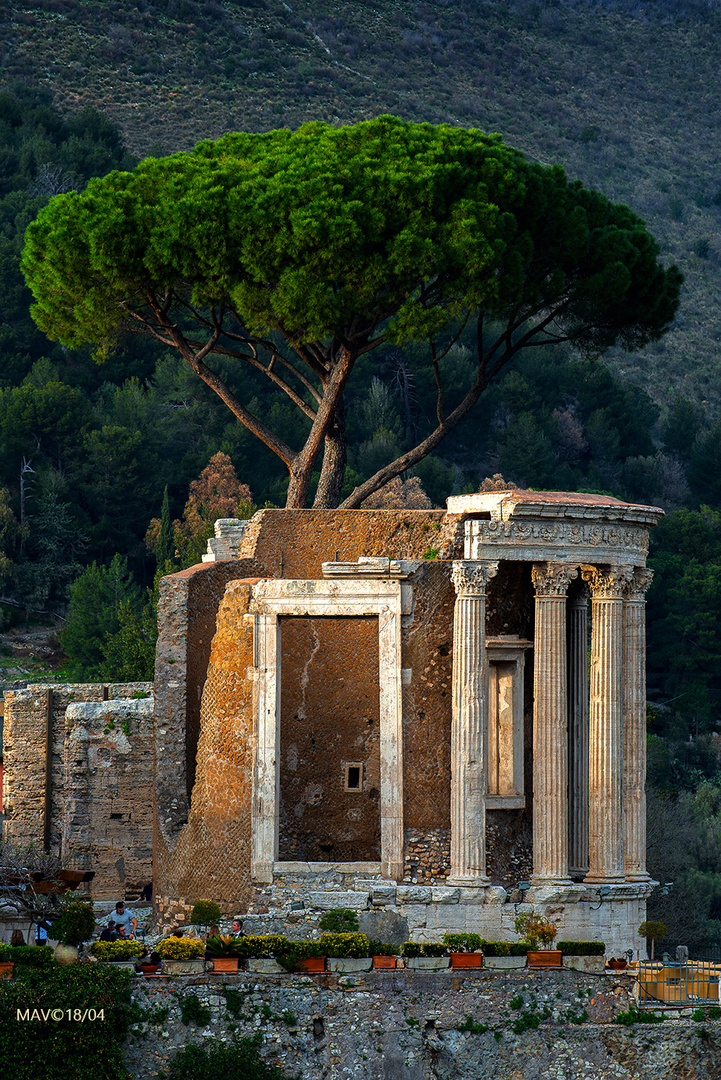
(471, 578)
(637, 586)
(552, 579)
(609, 583)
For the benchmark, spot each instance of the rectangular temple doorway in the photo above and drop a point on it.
(329, 808)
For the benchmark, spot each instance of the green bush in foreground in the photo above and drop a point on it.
(214, 1062)
(32, 955)
(33, 1044)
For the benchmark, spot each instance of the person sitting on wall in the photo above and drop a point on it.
(126, 919)
(109, 933)
(121, 935)
(16, 938)
(237, 930)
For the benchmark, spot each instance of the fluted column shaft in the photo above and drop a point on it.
(550, 725)
(469, 722)
(605, 781)
(634, 727)
(578, 728)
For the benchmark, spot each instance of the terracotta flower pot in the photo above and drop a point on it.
(466, 959)
(384, 961)
(6, 969)
(225, 963)
(149, 969)
(312, 964)
(544, 958)
(617, 965)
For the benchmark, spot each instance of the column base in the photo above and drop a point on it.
(638, 875)
(468, 882)
(539, 881)
(604, 879)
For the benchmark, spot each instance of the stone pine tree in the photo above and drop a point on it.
(296, 253)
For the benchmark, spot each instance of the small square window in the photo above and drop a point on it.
(353, 776)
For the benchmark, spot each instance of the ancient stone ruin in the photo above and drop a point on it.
(394, 711)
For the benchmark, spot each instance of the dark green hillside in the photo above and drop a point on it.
(629, 104)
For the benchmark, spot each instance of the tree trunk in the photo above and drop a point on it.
(334, 463)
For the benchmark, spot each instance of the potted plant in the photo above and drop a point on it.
(464, 950)
(205, 913)
(303, 956)
(426, 955)
(583, 955)
(504, 955)
(346, 952)
(6, 961)
(120, 953)
(74, 925)
(383, 954)
(652, 930)
(223, 951)
(261, 952)
(182, 955)
(538, 934)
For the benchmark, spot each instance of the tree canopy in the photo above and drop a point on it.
(298, 252)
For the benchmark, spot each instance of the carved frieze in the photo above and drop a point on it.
(524, 532)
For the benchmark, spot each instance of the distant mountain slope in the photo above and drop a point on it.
(629, 105)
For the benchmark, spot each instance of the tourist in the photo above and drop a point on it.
(16, 938)
(237, 928)
(109, 933)
(125, 919)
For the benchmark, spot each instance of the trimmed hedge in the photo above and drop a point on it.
(423, 948)
(180, 948)
(581, 948)
(496, 948)
(344, 945)
(261, 946)
(32, 955)
(463, 942)
(109, 951)
(54, 1049)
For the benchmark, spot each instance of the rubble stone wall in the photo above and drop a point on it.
(24, 750)
(407, 1025)
(108, 794)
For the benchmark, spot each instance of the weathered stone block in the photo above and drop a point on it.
(357, 901)
(445, 895)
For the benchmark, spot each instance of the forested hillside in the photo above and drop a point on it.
(98, 458)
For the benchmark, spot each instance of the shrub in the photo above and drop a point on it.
(109, 951)
(205, 913)
(193, 1010)
(382, 948)
(218, 1062)
(180, 948)
(261, 946)
(463, 942)
(434, 948)
(534, 929)
(497, 948)
(344, 945)
(518, 948)
(54, 1049)
(339, 921)
(33, 955)
(5, 952)
(76, 921)
(412, 949)
(581, 948)
(634, 1017)
(294, 951)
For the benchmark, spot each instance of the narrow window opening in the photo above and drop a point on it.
(353, 776)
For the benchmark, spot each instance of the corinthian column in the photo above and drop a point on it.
(634, 726)
(578, 729)
(469, 723)
(550, 726)
(605, 778)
